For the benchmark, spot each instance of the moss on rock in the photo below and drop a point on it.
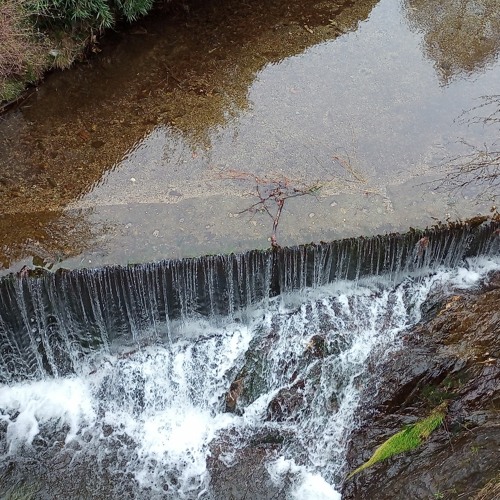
(407, 439)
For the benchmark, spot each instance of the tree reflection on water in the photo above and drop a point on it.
(460, 36)
(479, 165)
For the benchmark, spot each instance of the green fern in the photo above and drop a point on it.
(133, 9)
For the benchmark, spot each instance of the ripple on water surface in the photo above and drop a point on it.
(172, 142)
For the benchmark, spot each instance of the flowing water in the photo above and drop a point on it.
(125, 382)
(136, 405)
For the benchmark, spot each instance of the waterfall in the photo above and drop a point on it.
(115, 380)
(46, 322)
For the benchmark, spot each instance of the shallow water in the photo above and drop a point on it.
(160, 146)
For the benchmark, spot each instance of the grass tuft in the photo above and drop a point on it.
(10, 89)
(22, 49)
(490, 490)
(38, 35)
(407, 439)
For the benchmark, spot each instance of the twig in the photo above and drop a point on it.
(272, 194)
(480, 165)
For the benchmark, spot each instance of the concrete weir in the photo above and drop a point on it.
(42, 318)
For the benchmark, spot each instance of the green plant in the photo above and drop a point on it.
(71, 12)
(407, 439)
(474, 449)
(37, 35)
(133, 9)
(97, 14)
(10, 89)
(22, 49)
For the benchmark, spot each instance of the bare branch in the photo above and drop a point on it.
(479, 165)
(272, 194)
(490, 109)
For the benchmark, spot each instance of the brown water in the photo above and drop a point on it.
(162, 144)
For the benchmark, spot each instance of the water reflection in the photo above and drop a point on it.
(187, 70)
(131, 157)
(477, 165)
(460, 36)
(46, 238)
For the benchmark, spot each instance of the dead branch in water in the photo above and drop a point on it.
(272, 191)
(272, 194)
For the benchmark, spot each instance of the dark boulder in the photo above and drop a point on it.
(287, 403)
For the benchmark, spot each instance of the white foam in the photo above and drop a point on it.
(477, 267)
(67, 401)
(178, 437)
(180, 413)
(307, 485)
(167, 401)
(314, 487)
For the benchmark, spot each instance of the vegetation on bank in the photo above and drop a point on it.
(39, 35)
(408, 439)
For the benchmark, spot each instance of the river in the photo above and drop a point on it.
(178, 139)
(131, 367)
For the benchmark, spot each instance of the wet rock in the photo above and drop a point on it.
(301, 382)
(317, 346)
(434, 470)
(233, 395)
(452, 356)
(492, 281)
(287, 403)
(250, 382)
(240, 472)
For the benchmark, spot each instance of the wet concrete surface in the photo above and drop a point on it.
(162, 144)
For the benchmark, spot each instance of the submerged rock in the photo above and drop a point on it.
(453, 356)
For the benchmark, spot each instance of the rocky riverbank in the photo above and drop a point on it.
(453, 356)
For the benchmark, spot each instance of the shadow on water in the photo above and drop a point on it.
(188, 69)
(131, 156)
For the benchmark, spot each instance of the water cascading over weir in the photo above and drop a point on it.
(219, 377)
(47, 320)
